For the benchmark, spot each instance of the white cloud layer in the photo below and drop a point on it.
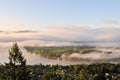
(111, 22)
(64, 34)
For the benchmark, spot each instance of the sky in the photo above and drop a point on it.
(18, 15)
(61, 23)
(59, 20)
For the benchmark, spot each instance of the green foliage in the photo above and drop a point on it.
(44, 77)
(56, 52)
(16, 68)
(96, 71)
(82, 74)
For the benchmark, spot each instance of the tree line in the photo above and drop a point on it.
(16, 69)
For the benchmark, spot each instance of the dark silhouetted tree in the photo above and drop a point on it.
(16, 68)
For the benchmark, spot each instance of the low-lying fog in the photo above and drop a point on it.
(106, 52)
(108, 55)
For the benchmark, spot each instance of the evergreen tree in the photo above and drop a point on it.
(44, 77)
(82, 75)
(16, 68)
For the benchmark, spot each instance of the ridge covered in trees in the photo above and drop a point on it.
(56, 52)
(16, 69)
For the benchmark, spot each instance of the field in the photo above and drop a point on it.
(59, 52)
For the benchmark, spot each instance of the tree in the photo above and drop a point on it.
(44, 77)
(82, 74)
(16, 68)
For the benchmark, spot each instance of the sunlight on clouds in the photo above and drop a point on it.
(113, 22)
(64, 34)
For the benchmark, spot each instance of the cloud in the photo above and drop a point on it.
(12, 26)
(95, 56)
(25, 31)
(6, 36)
(64, 34)
(113, 22)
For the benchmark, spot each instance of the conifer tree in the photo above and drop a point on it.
(16, 68)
